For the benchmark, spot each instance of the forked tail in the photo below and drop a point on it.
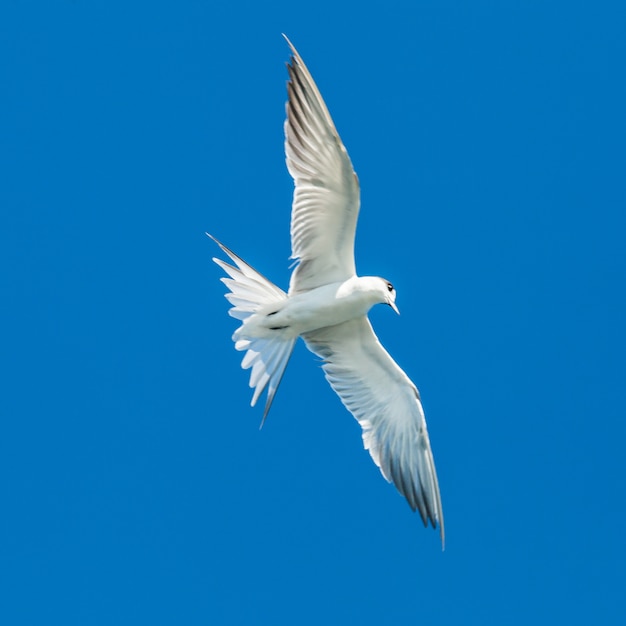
(267, 356)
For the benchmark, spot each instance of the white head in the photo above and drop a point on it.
(387, 293)
(370, 290)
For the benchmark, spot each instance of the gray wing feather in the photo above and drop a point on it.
(387, 406)
(326, 196)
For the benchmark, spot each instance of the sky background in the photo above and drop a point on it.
(135, 485)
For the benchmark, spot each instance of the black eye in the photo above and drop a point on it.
(389, 286)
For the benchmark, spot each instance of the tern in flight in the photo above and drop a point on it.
(327, 305)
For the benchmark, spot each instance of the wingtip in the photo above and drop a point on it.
(442, 532)
(288, 42)
(294, 52)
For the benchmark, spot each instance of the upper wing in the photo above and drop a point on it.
(326, 195)
(387, 405)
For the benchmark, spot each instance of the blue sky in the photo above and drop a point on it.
(135, 485)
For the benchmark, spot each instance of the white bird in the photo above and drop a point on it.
(327, 305)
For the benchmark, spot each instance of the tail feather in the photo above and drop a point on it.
(267, 356)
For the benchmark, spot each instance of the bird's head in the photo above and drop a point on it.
(388, 294)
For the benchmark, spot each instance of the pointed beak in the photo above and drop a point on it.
(394, 307)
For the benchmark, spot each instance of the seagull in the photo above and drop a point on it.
(327, 305)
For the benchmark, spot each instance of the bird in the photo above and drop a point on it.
(327, 304)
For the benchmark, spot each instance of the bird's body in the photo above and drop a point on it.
(321, 307)
(327, 305)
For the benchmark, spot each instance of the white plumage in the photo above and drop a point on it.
(327, 305)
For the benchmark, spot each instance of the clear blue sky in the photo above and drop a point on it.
(136, 488)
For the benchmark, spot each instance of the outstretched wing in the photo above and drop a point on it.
(326, 195)
(387, 405)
